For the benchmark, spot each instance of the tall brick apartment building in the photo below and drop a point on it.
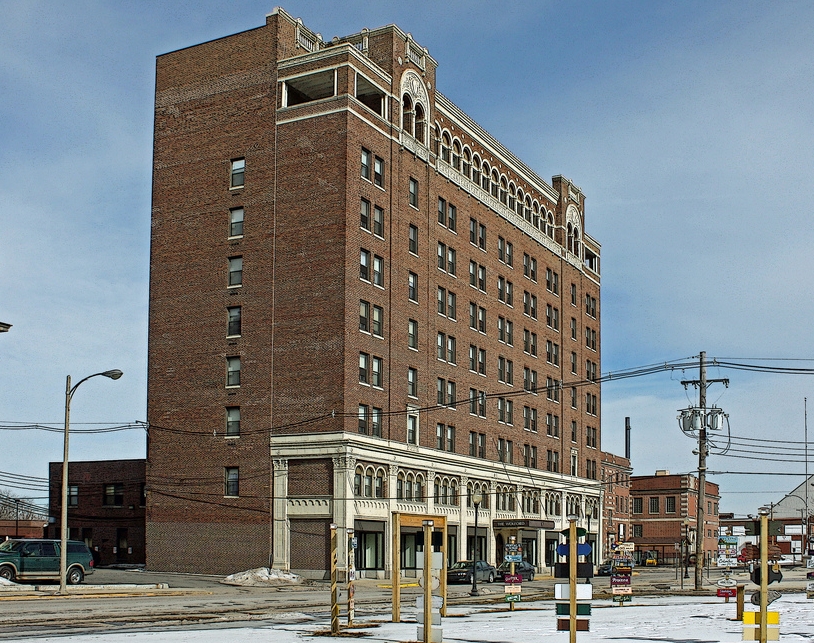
(361, 303)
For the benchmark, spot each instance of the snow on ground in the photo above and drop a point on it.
(262, 576)
(4, 581)
(657, 620)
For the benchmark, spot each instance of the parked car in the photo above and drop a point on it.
(38, 559)
(461, 572)
(605, 569)
(525, 569)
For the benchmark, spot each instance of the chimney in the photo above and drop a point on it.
(627, 438)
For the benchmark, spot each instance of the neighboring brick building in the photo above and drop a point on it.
(360, 303)
(664, 513)
(616, 508)
(106, 507)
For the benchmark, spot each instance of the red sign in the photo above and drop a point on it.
(620, 581)
(512, 579)
(727, 592)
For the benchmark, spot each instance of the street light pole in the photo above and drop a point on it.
(477, 498)
(63, 543)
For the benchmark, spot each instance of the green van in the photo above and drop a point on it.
(38, 559)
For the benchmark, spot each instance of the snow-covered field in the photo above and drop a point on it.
(662, 620)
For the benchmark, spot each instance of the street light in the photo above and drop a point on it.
(477, 498)
(63, 543)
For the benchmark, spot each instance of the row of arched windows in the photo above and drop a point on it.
(369, 482)
(469, 163)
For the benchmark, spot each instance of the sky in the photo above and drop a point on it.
(688, 125)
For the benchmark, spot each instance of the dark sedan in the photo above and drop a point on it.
(524, 569)
(461, 572)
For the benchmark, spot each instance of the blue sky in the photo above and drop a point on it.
(688, 125)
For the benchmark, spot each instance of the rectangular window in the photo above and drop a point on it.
(481, 445)
(378, 271)
(573, 362)
(412, 428)
(530, 267)
(590, 306)
(482, 361)
(653, 506)
(114, 495)
(573, 328)
(552, 281)
(366, 162)
(412, 287)
(364, 316)
(378, 221)
(573, 430)
(552, 391)
(235, 271)
(233, 326)
(452, 217)
(637, 505)
(552, 352)
(414, 193)
(637, 531)
(552, 461)
(573, 294)
(364, 368)
(378, 172)
(452, 352)
(590, 338)
(377, 372)
(364, 264)
(73, 495)
(232, 482)
(236, 222)
(552, 317)
(473, 443)
(413, 236)
(590, 436)
(364, 215)
(412, 382)
(238, 173)
(442, 211)
(232, 371)
(376, 422)
(477, 402)
(450, 438)
(378, 321)
(412, 334)
(233, 420)
(670, 505)
(530, 419)
(590, 403)
(364, 418)
(440, 436)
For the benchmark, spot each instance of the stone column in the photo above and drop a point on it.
(281, 529)
(392, 481)
(488, 518)
(343, 507)
(463, 519)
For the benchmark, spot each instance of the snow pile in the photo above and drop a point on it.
(262, 576)
(3, 581)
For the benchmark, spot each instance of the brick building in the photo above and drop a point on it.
(106, 507)
(664, 515)
(616, 505)
(361, 303)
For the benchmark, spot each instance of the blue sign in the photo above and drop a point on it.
(513, 558)
(583, 549)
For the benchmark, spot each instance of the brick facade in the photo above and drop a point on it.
(616, 472)
(665, 512)
(302, 114)
(106, 508)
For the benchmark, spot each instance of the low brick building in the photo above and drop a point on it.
(665, 515)
(616, 505)
(106, 507)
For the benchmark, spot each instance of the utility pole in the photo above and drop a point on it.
(703, 449)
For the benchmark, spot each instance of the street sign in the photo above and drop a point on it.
(564, 609)
(622, 598)
(622, 590)
(583, 549)
(512, 589)
(512, 579)
(625, 547)
(580, 532)
(513, 558)
(727, 592)
(562, 592)
(512, 598)
(584, 570)
(727, 582)
(620, 581)
(513, 547)
(564, 624)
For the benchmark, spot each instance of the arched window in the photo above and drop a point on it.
(418, 491)
(527, 209)
(467, 167)
(536, 216)
(484, 176)
(494, 183)
(408, 487)
(436, 139)
(520, 202)
(400, 487)
(378, 484)
(407, 114)
(576, 248)
(512, 203)
(549, 226)
(368, 490)
(504, 191)
(456, 155)
(419, 123)
(446, 147)
(570, 237)
(475, 169)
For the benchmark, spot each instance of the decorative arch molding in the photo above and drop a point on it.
(413, 86)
